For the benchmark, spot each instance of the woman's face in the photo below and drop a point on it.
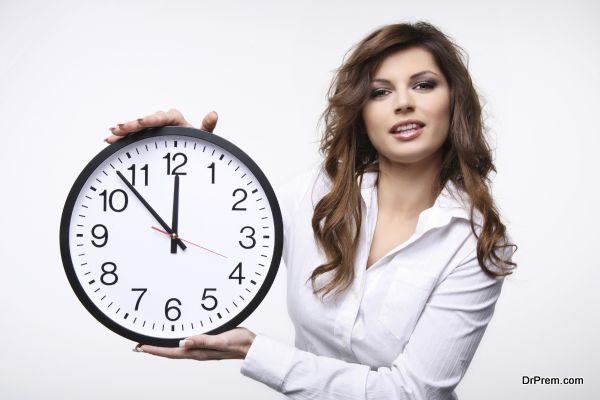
(407, 86)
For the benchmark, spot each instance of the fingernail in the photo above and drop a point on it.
(140, 120)
(184, 343)
(120, 125)
(138, 348)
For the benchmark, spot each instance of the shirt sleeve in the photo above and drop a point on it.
(432, 363)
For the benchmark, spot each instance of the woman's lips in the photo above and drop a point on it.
(409, 134)
(400, 124)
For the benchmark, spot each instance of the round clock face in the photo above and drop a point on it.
(171, 233)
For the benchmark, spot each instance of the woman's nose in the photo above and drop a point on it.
(404, 102)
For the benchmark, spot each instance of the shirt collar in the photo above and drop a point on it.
(451, 203)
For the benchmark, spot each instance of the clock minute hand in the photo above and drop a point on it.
(174, 221)
(154, 213)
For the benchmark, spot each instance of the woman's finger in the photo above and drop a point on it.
(214, 342)
(169, 352)
(128, 127)
(172, 117)
(210, 121)
(124, 129)
(182, 353)
(112, 138)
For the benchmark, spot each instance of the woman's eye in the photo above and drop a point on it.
(426, 85)
(378, 92)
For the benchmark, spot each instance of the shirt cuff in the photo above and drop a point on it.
(268, 361)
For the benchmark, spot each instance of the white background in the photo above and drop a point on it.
(71, 69)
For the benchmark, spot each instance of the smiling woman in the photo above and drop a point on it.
(392, 283)
(397, 94)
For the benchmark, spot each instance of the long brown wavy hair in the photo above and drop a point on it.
(466, 159)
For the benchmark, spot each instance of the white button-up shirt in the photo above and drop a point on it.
(408, 326)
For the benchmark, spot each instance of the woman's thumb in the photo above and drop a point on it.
(210, 121)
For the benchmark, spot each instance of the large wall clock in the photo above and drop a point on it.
(171, 232)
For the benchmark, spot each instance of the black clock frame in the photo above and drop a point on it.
(153, 133)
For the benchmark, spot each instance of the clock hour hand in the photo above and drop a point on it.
(174, 221)
(154, 213)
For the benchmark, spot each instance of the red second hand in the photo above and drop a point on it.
(187, 241)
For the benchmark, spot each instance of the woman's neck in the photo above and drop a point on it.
(405, 190)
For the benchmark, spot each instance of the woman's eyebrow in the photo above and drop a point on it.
(418, 74)
(413, 76)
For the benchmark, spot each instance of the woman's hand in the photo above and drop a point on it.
(233, 344)
(160, 118)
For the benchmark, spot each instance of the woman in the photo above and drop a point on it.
(395, 251)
